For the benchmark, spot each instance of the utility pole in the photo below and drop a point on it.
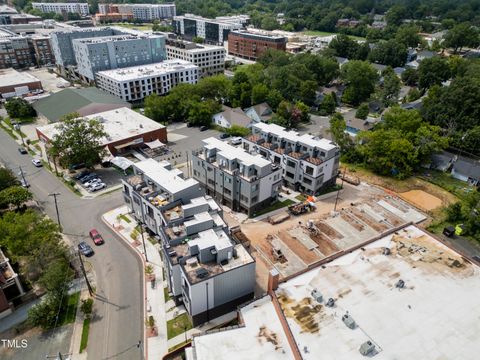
(23, 175)
(141, 231)
(56, 208)
(82, 267)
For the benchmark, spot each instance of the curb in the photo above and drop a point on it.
(139, 254)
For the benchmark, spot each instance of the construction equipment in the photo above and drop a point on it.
(303, 207)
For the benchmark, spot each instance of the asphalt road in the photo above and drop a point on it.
(118, 323)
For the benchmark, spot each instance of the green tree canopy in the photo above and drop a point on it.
(433, 71)
(14, 195)
(78, 141)
(391, 53)
(460, 36)
(7, 178)
(360, 78)
(19, 108)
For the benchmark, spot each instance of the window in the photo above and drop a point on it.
(307, 181)
(126, 190)
(291, 163)
(289, 174)
(309, 170)
(211, 182)
(227, 191)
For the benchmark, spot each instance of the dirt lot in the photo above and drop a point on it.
(421, 199)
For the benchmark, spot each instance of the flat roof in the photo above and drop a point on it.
(295, 137)
(259, 34)
(148, 70)
(10, 77)
(261, 337)
(434, 316)
(231, 152)
(119, 124)
(159, 173)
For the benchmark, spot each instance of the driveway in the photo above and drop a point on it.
(119, 314)
(318, 126)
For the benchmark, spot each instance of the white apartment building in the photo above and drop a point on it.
(144, 12)
(209, 58)
(135, 83)
(235, 178)
(60, 8)
(309, 164)
(214, 31)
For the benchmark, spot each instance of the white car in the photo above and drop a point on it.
(92, 182)
(97, 186)
(236, 140)
(37, 162)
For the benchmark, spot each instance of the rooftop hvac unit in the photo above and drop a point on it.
(201, 273)
(317, 295)
(330, 302)
(367, 348)
(400, 284)
(193, 262)
(386, 251)
(348, 320)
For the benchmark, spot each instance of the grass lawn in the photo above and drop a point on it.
(166, 294)
(69, 309)
(447, 182)
(85, 330)
(275, 206)
(301, 197)
(178, 325)
(125, 218)
(9, 131)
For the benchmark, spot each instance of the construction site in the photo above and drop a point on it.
(291, 242)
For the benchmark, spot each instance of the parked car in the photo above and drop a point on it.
(189, 124)
(97, 186)
(203, 128)
(93, 181)
(37, 162)
(224, 136)
(85, 249)
(22, 150)
(236, 140)
(89, 177)
(81, 174)
(96, 237)
(24, 183)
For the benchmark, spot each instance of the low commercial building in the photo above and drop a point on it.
(407, 270)
(213, 31)
(137, 82)
(209, 58)
(143, 12)
(84, 101)
(14, 83)
(154, 187)
(251, 46)
(23, 19)
(118, 51)
(235, 178)
(62, 8)
(126, 129)
(309, 164)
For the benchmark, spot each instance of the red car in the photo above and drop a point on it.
(96, 237)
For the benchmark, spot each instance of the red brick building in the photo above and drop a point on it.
(15, 83)
(250, 46)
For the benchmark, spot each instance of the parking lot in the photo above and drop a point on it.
(111, 177)
(50, 81)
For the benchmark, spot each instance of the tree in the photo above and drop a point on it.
(360, 78)
(200, 113)
(460, 36)
(390, 88)
(328, 105)
(391, 53)
(433, 71)
(198, 40)
(407, 34)
(236, 130)
(216, 87)
(14, 195)
(274, 98)
(86, 307)
(78, 141)
(346, 47)
(19, 108)
(362, 111)
(7, 178)
(56, 277)
(259, 93)
(338, 129)
(410, 77)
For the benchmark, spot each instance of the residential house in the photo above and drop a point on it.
(466, 169)
(259, 113)
(231, 116)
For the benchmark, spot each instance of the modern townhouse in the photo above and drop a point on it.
(156, 186)
(309, 164)
(237, 179)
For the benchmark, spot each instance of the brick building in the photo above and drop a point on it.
(250, 46)
(14, 83)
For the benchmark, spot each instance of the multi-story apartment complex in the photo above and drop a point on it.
(135, 83)
(118, 51)
(62, 42)
(309, 164)
(214, 31)
(42, 49)
(15, 52)
(252, 45)
(242, 181)
(154, 187)
(209, 58)
(143, 12)
(62, 8)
